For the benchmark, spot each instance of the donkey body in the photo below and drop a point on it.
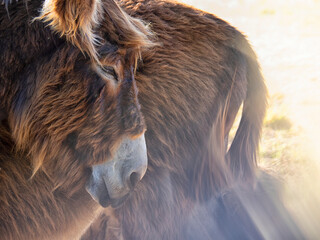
(190, 88)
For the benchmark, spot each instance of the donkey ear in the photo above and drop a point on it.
(74, 19)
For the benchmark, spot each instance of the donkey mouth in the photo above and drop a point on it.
(118, 202)
(102, 196)
(106, 201)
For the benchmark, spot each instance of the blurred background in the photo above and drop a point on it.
(286, 37)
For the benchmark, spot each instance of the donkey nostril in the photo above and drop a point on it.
(134, 179)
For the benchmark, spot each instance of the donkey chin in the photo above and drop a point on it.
(111, 182)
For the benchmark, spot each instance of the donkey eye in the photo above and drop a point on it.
(108, 72)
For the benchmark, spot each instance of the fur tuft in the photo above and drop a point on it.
(75, 20)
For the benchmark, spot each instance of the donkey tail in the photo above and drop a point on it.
(243, 151)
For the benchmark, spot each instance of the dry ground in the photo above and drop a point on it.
(286, 37)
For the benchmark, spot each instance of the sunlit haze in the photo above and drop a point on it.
(286, 38)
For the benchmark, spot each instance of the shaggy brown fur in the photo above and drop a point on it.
(61, 113)
(190, 89)
(76, 21)
(191, 85)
